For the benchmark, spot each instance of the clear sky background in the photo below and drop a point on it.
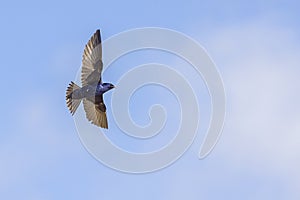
(255, 45)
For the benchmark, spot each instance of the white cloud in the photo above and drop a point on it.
(36, 150)
(259, 63)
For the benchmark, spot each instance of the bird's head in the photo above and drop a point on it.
(108, 86)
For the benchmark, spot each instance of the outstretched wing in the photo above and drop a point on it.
(96, 113)
(92, 61)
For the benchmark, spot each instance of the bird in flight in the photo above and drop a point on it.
(92, 90)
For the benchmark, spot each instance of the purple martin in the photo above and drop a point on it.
(92, 90)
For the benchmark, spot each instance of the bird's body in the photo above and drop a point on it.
(92, 89)
(90, 92)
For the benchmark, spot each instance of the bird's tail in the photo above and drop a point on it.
(71, 102)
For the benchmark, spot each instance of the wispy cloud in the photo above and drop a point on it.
(259, 63)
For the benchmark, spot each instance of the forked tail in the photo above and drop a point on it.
(71, 102)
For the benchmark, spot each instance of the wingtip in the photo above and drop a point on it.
(99, 35)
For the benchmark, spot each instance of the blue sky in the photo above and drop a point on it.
(255, 46)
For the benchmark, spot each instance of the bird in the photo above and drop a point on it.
(92, 89)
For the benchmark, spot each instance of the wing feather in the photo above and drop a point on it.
(94, 114)
(92, 60)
